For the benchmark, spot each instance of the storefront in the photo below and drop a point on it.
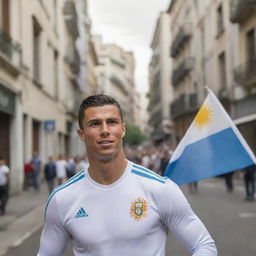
(7, 111)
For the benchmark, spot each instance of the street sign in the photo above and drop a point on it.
(49, 125)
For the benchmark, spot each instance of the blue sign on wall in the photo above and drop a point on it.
(49, 125)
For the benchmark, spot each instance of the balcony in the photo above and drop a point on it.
(182, 70)
(73, 59)
(10, 53)
(245, 74)
(184, 104)
(241, 9)
(182, 36)
(117, 82)
(70, 17)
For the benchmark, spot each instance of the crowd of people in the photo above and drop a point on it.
(55, 171)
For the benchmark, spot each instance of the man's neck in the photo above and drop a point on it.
(107, 172)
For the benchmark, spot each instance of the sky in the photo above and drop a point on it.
(129, 24)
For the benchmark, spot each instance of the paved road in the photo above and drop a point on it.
(230, 220)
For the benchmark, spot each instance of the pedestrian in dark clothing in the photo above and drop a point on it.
(229, 181)
(249, 179)
(27, 175)
(164, 162)
(4, 187)
(36, 167)
(50, 174)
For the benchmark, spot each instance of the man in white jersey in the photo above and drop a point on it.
(116, 207)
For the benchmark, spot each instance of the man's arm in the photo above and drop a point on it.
(54, 237)
(185, 225)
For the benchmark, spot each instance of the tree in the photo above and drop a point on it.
(133, 136)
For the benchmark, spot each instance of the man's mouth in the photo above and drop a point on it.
(105, 142)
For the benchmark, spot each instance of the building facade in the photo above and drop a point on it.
(40, 87)
(160, 92)
(115, 75)
(210, 46)
(243, 15)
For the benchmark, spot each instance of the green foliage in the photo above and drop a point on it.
(133, 136)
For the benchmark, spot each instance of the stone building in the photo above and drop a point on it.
(40, 81)
(160, 91)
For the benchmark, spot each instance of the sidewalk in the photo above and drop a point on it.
(24, 216)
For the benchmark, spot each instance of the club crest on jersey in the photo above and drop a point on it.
(139, 208)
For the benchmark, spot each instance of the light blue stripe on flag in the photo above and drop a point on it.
(219, 153)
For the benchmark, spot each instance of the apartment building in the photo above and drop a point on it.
(160, 92)
(40, 87)
(115, 75)
(243, 15)
(204, 49)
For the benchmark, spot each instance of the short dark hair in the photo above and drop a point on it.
(97, 100)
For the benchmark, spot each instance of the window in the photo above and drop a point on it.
(56, 80)
(55, 16)
(220, 22)
(5, 22)
(251, 52)
(36, 49)
(222, 70)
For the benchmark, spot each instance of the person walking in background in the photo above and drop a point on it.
(229, 181)
(27, 175)
(164, 162)
(143, 205)
(193, 187)
(36, 168)
(70, 168)
(61, 172)
(249, 179)
(83, 164)
(4, 182)
(50, 174)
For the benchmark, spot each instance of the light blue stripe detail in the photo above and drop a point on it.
(147, 176)
(148, 171)
(74, 177)
(62, 187)
(83, 211)
(217, 154)
(70, 180)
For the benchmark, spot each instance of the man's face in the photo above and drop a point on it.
(102, 132)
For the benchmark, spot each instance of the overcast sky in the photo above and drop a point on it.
(130, 24)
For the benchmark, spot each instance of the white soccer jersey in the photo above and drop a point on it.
(129, 217)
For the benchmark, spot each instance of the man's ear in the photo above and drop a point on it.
(124, 129)
(80, 134)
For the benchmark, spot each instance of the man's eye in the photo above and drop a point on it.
(94, 124)
(112, 121)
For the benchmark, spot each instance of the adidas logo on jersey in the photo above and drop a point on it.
(81, 213)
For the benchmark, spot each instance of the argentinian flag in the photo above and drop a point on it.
(211, 146)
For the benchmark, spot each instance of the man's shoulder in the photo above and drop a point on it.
(147, 175)
(70, 186)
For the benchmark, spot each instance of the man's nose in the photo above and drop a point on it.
(104, 129)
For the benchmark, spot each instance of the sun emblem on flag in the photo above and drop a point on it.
(204, 116)
(139, 208)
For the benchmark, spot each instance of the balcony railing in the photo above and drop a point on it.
(184, 104)
(10, 50)
(241, 9)
(73, 59)
(183, 35)
(182, 70)
(116, 81)
(70, 17)
(245, 74)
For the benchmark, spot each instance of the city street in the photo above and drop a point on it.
(229, 218)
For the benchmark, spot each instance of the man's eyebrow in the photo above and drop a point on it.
(93, 120)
